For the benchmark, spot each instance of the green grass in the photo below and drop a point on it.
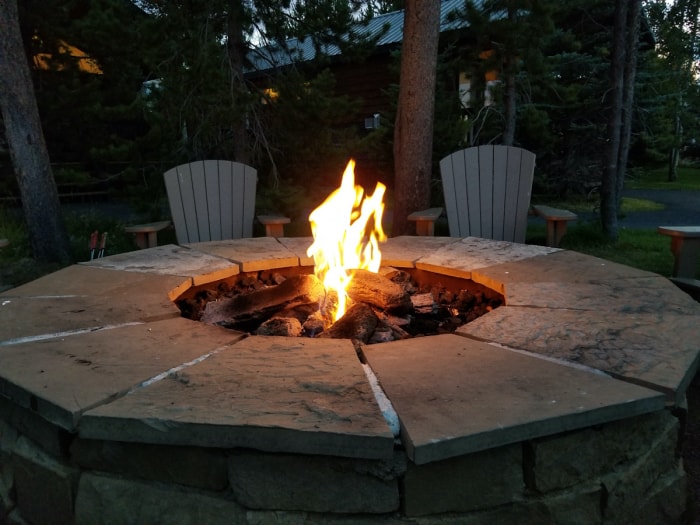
(657, 179)
(18, 267)
(645, 249)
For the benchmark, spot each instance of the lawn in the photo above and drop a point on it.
(641, 248)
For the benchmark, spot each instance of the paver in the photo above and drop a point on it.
(270, 393)
(457, 396)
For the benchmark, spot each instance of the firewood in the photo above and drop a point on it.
(285, 326)
(377, 290)
(358, 323)
(423, 302)
(262, 304)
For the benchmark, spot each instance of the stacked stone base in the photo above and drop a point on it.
(628, 471)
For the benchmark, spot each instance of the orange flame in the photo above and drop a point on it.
(347, 230)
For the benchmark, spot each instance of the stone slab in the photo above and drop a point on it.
(658, 349)
(276, 394)
(455, 396)
(461, 258)
(81, 298)
(660, 295)
(404, 251)
(61, 378)
(561, 266)
(251, 254)
(298, 246)
(171, 260)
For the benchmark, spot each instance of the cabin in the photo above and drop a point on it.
(368, 80)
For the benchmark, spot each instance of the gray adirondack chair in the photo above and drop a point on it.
(487, 193)
(212, 200)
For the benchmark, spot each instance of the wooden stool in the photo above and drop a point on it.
(274, 224)
(685, 246)
(557, 221)
(147, 234)
(425, 220)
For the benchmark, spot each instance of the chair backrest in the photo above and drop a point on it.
(211, 200)
(487, 191)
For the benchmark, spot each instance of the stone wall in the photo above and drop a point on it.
(623, 472)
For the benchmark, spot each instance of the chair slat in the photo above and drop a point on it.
(212, 200)
(487, 191)
(213, 172)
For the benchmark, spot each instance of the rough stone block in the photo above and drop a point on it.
(459, 484)
(635, 483)
(580, 507)
(281, 517)
(48, 436)
(315, 483)
(104, 499)
(45, 486)
(666, 501)
(197, 467)
(564, 460)
(8, 438)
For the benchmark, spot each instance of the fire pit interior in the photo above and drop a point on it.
(390, 305)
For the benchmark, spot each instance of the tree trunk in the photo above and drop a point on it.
(413, 133)
(608, 188)
(675, 153)
(236, 50)
(630, 73)
(30, 158)
(509, 68)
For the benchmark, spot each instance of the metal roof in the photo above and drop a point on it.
(389, 26)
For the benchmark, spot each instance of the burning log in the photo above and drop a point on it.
(359, 322)
(285, 326)
(372, 288)
(260, 305)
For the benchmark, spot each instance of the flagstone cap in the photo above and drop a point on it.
(100, 350)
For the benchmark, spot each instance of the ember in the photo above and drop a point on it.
(393, 304)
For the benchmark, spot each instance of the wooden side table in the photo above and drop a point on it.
(685, 246)
(147, 234)
(557, 221)
(274, 225)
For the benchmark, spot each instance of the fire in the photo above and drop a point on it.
(347, 230)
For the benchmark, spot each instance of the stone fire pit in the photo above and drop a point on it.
(563, 406)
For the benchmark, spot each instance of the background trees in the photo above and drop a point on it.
(30, 159)
(202, 95)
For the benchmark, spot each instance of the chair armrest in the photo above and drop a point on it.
(274, 224)
(425, 220)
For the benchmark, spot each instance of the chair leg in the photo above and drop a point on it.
(555, 232)
(425, 228)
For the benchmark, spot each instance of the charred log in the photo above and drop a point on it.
(377, 290)
(358, 323)
(253, 308)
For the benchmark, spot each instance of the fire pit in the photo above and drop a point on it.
(563, 405)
